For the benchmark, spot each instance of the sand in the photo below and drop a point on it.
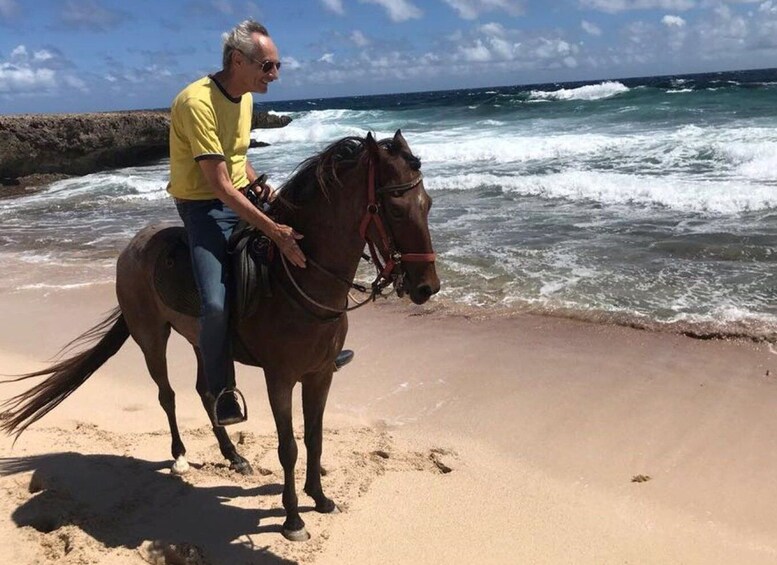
(448, 440)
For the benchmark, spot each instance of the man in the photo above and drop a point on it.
(209, 135)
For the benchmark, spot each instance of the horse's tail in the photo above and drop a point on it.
(26, 408)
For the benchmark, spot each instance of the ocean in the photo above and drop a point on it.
(648, 202)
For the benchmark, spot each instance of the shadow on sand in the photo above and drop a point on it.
(123, 501)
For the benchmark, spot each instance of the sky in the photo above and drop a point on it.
(96, 55)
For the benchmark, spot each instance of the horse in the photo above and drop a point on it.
(356, 191)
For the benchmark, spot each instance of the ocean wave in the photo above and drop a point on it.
(506, 149)
(588, 92)
(324, 126)
(713, 197)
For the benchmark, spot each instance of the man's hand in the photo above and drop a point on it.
(286, 239)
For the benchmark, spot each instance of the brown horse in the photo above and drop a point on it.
(356, 190)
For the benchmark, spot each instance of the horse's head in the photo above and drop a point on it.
(398, 226)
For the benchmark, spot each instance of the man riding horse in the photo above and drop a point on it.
(211, 179)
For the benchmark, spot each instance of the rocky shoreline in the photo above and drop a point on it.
(37, 149)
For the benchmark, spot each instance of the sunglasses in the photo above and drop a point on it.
(267, 66)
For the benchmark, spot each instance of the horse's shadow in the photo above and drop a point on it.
(123, 501)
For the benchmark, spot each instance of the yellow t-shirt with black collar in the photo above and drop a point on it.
(207, 123)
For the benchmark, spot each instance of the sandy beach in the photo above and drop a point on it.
(449, 439)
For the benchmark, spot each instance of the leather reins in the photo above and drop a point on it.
(386, 257)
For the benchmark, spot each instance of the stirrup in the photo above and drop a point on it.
(239, 398)
(343, 358)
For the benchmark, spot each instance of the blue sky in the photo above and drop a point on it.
(94, 55)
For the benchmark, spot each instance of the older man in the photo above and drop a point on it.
(209, 136)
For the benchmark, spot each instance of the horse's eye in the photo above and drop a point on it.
(396, 212)
(396, 193)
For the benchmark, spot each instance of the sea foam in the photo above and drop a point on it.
(588, 92)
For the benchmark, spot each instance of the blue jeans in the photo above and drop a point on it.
(209, 223)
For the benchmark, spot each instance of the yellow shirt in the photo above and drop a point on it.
(206, 123)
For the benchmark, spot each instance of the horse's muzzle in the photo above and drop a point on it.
(428, 287)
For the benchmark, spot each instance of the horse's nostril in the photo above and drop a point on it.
(425, 290)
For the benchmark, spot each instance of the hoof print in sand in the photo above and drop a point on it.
(163, 553)
(436, 455)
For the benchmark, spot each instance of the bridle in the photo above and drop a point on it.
(386, 257)
(388, 260)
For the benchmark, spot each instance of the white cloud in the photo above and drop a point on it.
(471, 9)
(335, 6)
(19, 52)
(38, 72)
(614, 6)
(291, 64)
(476, 52)
(768, 7)
(397, 10)
(493, 29)
(673, 21)
(25, 79)
(359, 38)
(42, 55)
(591, 29)
(327, 58)
(724, 32)
(75, 82)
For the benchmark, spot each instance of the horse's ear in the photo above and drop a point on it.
(399, 141)
(371, 144)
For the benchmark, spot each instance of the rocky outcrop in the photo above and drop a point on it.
(34, 146)
(263, 120)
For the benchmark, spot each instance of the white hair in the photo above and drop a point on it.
(240, 39)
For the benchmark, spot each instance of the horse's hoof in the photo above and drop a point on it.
(296, 535)
(242, 467)
(328, 507)
(180, 467)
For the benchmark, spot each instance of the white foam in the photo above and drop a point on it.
(589, 92)
(323, 125)
(715, 197)
(510, 148)
(47, 286)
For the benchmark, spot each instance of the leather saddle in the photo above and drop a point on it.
(251, 253)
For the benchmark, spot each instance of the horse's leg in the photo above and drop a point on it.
(280, 401)
(228, 449)
(315, 389)
(153, 343)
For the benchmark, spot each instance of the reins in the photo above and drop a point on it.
(386, 258)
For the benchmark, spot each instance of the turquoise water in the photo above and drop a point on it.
(649, 202)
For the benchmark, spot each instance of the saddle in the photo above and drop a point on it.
(251, 254)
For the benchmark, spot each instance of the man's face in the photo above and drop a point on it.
(253, 68)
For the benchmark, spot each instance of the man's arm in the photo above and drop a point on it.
(285, 237)
(250, 172)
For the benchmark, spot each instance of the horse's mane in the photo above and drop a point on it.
(321, 172)
(317, 173)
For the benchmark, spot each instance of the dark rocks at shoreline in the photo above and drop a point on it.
(263, 120)
(22, 186)
(37, 149)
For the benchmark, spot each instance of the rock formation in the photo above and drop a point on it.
(35, 147)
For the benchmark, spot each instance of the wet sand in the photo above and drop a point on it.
(449, 440)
